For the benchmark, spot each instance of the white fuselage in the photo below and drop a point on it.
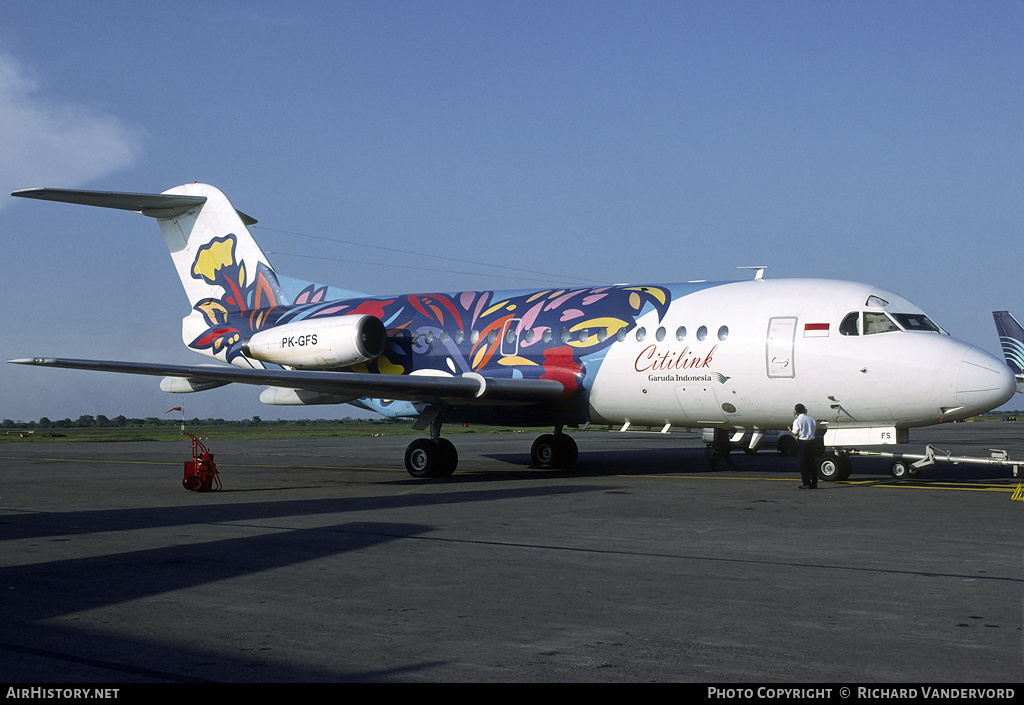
(742, 354)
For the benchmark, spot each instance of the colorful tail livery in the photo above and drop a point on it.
(867, 363)
(1011, 340)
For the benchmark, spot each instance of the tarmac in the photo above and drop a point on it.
(323, 561)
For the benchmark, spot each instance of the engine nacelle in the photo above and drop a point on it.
(280, 396)
(187, 385)
(338, 341)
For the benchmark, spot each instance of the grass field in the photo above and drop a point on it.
(272, 429)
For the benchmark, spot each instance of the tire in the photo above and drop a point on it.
(900, 470)
(568, 451)
(833, 467)
(787, 446)
(544, 452)
(426, 457)
(450, 458)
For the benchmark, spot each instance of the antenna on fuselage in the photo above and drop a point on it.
(759, 275)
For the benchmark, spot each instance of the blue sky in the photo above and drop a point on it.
(558, 141)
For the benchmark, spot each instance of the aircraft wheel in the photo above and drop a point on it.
(787, 446)
(554, 451)
(900, 469)
(834, 467)
(426, 457)
(544, 452)
(451, 458)
(568, 450)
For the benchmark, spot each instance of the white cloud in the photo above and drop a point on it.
(48, 143)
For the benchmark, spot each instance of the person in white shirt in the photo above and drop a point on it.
(804, 429)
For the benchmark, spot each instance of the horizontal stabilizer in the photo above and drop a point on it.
(154, 205)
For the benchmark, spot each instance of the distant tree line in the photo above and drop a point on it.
(86, 421)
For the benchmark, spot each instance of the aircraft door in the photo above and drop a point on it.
(781, 341)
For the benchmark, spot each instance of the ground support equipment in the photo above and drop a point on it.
(906, 464)
(200, 472)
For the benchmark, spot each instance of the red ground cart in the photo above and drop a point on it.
(200, 472)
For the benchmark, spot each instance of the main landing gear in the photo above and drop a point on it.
(554, 450)
(437, 457)
(431, 457)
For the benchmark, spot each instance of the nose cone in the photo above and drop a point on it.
(984, 381)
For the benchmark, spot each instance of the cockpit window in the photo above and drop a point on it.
(878, 323)
(878, 301)
(916, 322)
(850, 324)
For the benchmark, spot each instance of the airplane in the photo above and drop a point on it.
(867, 363)
(1011, 340)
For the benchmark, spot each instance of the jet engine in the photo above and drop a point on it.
(186, 385)
(281, 396)
(338, 341)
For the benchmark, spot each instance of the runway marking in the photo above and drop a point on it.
(1015, 491)
(945, 486)
(856, 483)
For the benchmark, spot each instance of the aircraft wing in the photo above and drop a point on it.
(467, 389)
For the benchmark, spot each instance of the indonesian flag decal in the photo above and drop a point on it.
(816, 330)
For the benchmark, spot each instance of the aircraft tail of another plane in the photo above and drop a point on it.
(1011, 339)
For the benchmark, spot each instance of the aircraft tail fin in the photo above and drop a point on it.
(1011, 340)
(216, 257)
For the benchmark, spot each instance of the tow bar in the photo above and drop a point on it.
(906, 464)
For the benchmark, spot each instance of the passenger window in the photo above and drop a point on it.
(850, 324)
(681, 333)
(660, 334)
(723, 332)
(702, 333)
(878, 323)
(641, 333)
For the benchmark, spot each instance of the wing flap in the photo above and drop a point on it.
(468, 389)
